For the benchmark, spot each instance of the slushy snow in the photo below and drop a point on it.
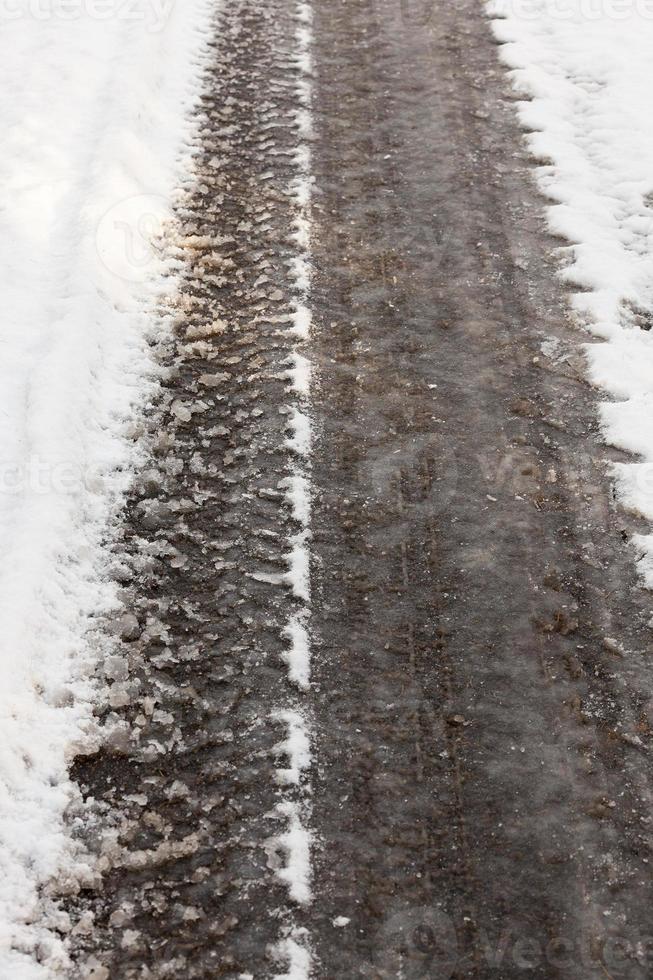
(586, 67)
(96, 104)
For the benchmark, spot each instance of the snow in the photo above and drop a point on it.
(296, 747)
(298, 577)
(297, 955)
(300, 374)
(301, 439)
(95, 102)
(296, 842)
(302, 321)
(588, 72)
(298, 495)
(298, 657)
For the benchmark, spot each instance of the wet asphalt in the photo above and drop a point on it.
(481, 683)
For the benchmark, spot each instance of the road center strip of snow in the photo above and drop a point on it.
(294, 810)
(95, 101)
(587, 68)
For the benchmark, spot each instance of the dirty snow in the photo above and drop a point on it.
(295, 841)
(95, 104)
(587, 68)
(296, 747)
(291, 849)
(298, 656)
(298, 957)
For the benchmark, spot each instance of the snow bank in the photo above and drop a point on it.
(95, 102)
(587, 66)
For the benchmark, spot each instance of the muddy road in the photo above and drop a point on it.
(479, 712)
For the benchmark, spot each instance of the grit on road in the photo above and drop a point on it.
(477, 792)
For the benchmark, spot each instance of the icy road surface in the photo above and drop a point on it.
(435, 749)
(330, 659)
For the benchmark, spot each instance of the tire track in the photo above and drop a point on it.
(473, 679)
(478, 801)
(202, 793)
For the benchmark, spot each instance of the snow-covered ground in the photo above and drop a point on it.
(95, 105)
(587, 69)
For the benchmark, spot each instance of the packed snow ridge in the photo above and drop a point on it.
(296, 840)
(587, 70)
(96, 111)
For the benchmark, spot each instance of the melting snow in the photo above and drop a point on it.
(95, 109)
(587, 70)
